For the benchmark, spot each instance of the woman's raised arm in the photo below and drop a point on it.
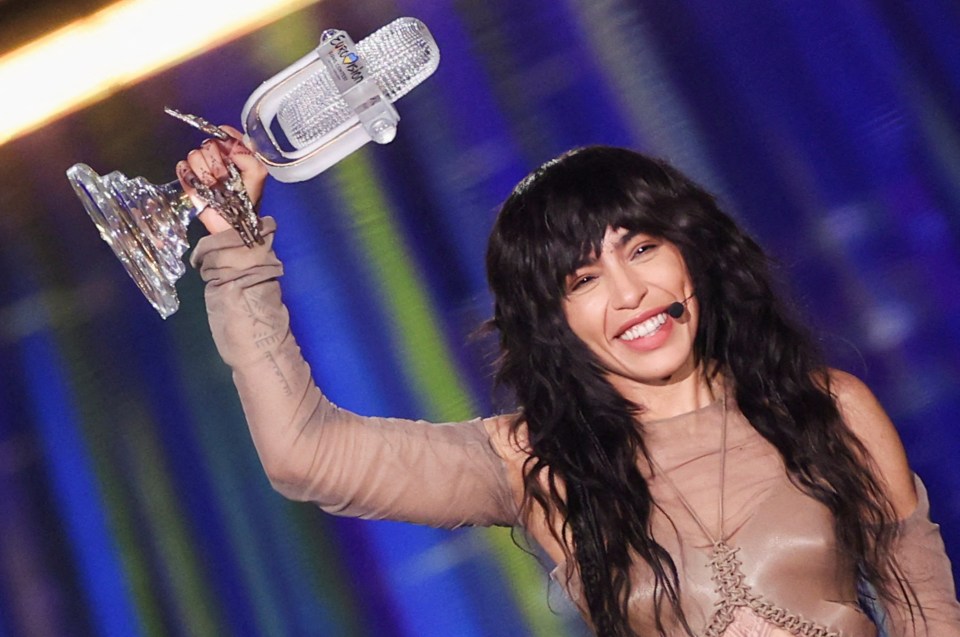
(438, 474)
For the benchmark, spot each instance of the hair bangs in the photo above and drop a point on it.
(576, 219)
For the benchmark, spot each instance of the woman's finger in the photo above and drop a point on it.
(213, 158)
(209, 216)
(232, 132)
(198, 164)
(187, 178)
(253, 172)
(213, 221)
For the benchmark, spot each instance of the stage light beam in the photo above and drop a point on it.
(93, 57)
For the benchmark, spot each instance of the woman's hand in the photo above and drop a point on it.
(207, 165)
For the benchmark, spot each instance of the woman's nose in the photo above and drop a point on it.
(626, 289)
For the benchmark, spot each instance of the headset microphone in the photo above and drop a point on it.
(677, 308)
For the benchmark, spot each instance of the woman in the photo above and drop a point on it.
(679, 450)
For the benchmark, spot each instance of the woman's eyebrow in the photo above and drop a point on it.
(586, 261)
(587, 257)
(627, 237)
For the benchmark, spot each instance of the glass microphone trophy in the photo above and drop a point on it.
(300, 122)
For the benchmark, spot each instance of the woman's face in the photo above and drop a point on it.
(617, 304)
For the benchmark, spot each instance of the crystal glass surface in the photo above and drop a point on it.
(144, 224)
(398, 57)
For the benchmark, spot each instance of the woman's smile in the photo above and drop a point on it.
(648, 334)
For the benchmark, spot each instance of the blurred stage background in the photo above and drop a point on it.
(131, 500)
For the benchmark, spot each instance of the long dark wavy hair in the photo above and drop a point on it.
(585, 438)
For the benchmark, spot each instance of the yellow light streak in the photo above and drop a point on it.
(92, 58)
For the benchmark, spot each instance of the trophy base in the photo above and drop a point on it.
(145, 225)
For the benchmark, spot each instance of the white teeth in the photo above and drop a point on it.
(646, 328)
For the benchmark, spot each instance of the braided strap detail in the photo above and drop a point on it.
(734, 594)
(789, 621)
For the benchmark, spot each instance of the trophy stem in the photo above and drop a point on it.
(144, 224)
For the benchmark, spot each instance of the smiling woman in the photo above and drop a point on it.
(678, 449)
(618, 302)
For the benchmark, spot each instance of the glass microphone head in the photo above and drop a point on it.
(337, 98)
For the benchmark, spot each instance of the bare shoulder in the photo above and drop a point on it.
(866, 418)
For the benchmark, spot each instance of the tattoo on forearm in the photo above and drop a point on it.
(266, 334)
(278, 374)
(266, 340)
(257, 309)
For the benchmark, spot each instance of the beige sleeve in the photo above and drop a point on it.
(445, 475)
(921, 556)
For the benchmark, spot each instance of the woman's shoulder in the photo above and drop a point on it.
(869, 422)
(510, 439)
(508, 436)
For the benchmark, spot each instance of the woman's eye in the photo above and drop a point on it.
(580, 281)
(644, 249)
